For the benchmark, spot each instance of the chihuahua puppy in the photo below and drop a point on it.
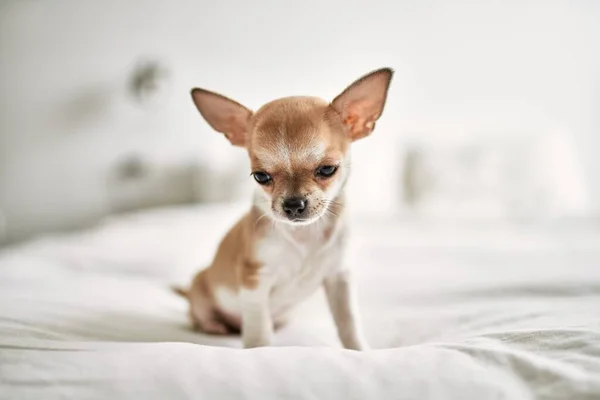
(291, 241)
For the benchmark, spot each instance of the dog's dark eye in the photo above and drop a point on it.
(326, 171)
(262, 177)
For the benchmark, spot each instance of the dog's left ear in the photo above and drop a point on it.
(361, 104)
(224, 115)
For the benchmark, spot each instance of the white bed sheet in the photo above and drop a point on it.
(483, 313)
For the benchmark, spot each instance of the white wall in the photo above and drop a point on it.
(511, 67)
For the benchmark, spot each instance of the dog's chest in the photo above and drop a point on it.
(297, 263)
(296, 268)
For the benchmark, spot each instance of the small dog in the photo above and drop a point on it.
(292, 239)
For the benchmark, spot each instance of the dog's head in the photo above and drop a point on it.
(298, 146)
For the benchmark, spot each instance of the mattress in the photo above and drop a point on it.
(452, 310)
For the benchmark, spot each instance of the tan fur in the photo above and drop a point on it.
(269, 259)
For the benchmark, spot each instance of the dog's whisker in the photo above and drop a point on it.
(258, 219)
(332, 212)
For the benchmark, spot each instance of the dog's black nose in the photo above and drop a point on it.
(294, 206)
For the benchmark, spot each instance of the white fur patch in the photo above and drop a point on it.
(334, 190)
(312, 153)
(227, 300)
(296, 259)
(285, 156)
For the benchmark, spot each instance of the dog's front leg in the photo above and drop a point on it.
(340, 294)
(257, 324)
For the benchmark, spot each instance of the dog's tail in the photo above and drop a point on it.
(180, 291)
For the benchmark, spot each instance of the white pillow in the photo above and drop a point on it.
(532, 177)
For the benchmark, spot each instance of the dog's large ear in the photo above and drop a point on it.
(361, 104)
(223, 115)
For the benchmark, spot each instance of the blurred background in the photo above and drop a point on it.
(492, 115)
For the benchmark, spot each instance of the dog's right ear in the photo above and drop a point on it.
(361, 104)
(223, 115)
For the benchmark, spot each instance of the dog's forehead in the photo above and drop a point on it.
(292, 128)
(291, 118)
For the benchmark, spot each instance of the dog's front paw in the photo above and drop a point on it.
(252, 344)
(355, 342)
(358, 347)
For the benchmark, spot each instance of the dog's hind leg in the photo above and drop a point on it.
(202, 310)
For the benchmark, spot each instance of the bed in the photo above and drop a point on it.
(453, 311)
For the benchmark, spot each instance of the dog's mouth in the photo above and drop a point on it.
(300, 220)
(303, 221)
